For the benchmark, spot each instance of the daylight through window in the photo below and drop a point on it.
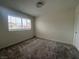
(18, 23)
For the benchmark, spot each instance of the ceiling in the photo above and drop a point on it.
(29, 6)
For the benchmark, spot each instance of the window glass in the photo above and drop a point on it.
(18, 23)
(24, 23)
(28, 24)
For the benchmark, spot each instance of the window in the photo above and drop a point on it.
(18, 23)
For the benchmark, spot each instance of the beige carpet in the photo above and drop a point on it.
(40, 49)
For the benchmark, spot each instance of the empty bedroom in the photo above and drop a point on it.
(39, 29)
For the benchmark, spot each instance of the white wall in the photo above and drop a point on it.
(57, 26)
(76, 27)
(8, 38)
